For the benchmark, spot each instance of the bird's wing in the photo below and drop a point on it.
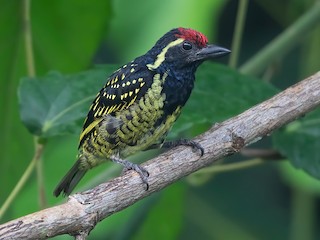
(124, 87)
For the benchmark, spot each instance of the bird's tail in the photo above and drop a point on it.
(70, 180)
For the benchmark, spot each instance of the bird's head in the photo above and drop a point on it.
(183, 48)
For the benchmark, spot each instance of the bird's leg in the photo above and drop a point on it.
(184, 142)
(144, 174)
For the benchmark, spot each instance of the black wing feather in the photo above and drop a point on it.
(124, 87)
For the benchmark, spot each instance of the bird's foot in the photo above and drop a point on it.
(143, 173)
(184, 142)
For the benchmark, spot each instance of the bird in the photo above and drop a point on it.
(139, 103)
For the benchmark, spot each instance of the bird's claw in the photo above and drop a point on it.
(196, 146)
(143, 173)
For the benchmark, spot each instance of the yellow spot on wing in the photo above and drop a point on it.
(101, 111)
(122, 76)
(95, 106)
(106, 110)
(123, 106)
(111, 109)
(133, 100)
(118, 107)
(89, 128)
(96, 112)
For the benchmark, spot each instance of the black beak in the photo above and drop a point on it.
(211, 51)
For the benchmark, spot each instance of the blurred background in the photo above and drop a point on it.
(272, 200)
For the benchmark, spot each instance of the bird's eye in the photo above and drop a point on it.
(187, 46)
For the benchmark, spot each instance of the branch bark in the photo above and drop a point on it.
(79, 215)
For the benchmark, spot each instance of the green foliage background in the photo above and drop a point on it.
(77, 44)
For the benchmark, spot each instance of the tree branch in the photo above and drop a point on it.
(79, 215)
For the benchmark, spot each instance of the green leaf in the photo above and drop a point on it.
(300, 142)
(57, 104)
(220, 93)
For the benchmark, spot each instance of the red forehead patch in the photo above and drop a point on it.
(193, 36)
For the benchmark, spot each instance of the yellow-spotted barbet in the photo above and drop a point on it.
(139, 104)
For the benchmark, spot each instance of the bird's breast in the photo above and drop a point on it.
(147, 121)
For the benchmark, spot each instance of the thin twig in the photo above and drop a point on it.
(238, 32)
(261, 153)
(28, 39)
